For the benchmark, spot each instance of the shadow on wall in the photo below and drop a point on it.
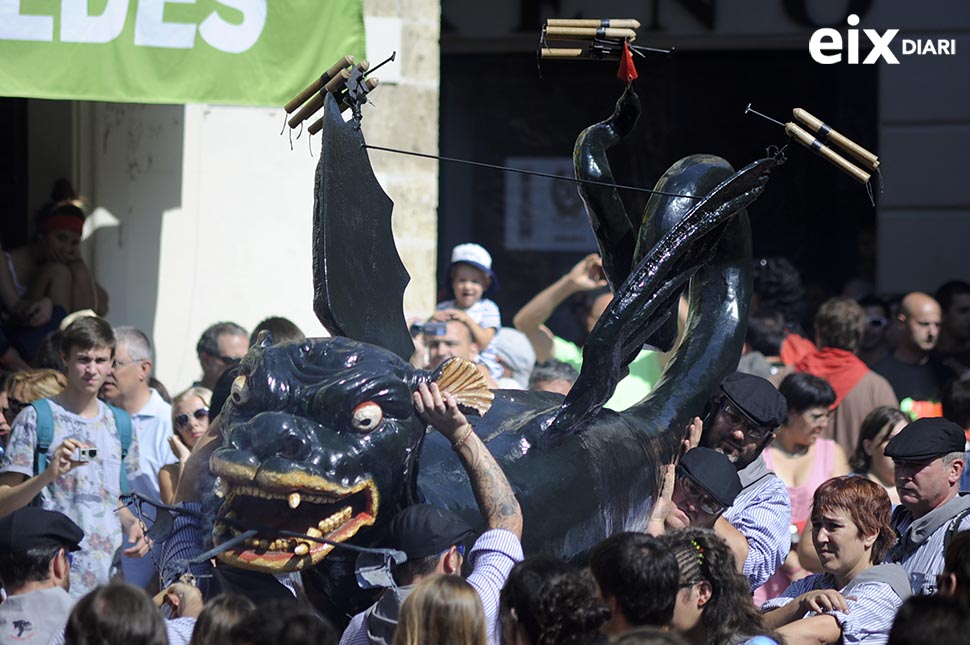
(136, 156)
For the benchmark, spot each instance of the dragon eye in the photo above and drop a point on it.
(366, 416)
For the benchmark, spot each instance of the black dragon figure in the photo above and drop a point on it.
(321, 437)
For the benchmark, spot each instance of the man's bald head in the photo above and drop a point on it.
(920, 316)
(456, 341)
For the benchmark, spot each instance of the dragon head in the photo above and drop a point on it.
(320, 440)
(318, 434)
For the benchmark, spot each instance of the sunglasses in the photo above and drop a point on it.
(736, 419)
(877, 322)
(230, 361)
(182, 420)
(698, 495)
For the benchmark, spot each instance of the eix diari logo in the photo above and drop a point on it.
(830, 40)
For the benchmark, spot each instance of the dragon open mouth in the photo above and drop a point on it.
(317, 508)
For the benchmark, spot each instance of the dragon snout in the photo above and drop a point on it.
(286, 440)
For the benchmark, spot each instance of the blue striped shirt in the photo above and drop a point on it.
(762, 514)
(920, 543)
(492, 558)
(872, 607)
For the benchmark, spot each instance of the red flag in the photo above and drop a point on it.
(628, 71)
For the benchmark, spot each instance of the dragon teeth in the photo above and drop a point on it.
(335, 521)
(294, 500)
(314, 532)
(220, 487)
(301, 549)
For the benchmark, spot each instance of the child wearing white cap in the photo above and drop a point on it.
(471, 277)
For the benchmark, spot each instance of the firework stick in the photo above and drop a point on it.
(813, 144)
(315, 86)
(825, 132)
(619, 23)
(548, 52)
(589, 32)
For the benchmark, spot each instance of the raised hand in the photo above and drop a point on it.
(60, 462)
(822, 600)
(587, 274)
(440, 411)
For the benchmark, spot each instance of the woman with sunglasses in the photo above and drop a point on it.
(854, 599)
(190, 420)
(802, 460)
(714, 602)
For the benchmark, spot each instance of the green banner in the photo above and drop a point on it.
(240, 52)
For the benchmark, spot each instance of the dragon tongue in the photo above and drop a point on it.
(294, 500)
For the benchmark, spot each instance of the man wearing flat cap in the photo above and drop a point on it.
(433, 538)
(928, 460)
(740, 422)
(35, 566)
(695, 493)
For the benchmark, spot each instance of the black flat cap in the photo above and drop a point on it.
(756, 397)
(713, 472)
(926, 439)
(423, 529)
(31, 527)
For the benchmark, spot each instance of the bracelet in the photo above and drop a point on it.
(461, 442)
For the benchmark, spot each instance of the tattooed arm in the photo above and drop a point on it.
(494, 495)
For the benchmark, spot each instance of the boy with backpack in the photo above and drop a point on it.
(75, 454)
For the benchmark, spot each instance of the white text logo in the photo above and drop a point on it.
(826, 45)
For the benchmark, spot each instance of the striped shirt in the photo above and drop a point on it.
(920, 543)
(492, 558)
(762, 514)
(872, 607)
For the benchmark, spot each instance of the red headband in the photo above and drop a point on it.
(62, 222)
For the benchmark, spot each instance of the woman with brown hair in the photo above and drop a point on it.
(714, 601)
(855, 598)
(442, 610)
(869, 459)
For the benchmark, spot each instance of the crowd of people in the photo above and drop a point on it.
(816, 499)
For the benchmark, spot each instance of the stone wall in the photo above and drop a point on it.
(405, 116)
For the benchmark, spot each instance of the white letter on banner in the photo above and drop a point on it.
(152, 31)
(77, 26)
(231, 38)
(15, 26)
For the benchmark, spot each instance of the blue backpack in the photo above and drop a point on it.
(45, 435)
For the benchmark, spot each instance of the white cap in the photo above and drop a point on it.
(474, 255)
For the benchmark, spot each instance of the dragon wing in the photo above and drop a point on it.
(358, 276)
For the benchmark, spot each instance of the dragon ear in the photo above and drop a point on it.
(264, 339)
(358, 276)
(462, 380)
